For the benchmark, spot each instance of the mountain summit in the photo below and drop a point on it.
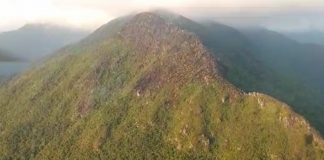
(142, 87)
(35, 41)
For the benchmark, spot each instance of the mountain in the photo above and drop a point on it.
(4, 56)
(34, 41)
(300, 63)
(142, 87)
(249, 66)
(311, 36)
(302, 60)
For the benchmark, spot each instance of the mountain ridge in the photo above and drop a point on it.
(151, 91)
(248, 63)
(34, 41)
(300, 63)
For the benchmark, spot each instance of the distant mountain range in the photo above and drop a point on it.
(156, 85)
(4, 56)
(34, 41)
(300, 68)
(311, 36)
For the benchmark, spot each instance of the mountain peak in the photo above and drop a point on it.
(154, 29)
(37, 26)
(181, 57)
(141, 87)
(34, 41)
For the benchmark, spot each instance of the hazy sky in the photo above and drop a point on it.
(89, 14)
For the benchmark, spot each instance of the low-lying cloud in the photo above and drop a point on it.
(291, 15)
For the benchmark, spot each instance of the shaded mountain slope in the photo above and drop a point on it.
(232, 49)
(149, 91)
(304, 61)
(301, 62)
(34, 41)
(249, 66)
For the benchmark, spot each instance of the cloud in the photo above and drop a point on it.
(15, 13)
(90, 14)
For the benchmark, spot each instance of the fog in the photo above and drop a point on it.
(287, 15)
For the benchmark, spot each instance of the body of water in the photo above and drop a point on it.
(11, 68)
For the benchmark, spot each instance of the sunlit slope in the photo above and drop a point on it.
(149, 91)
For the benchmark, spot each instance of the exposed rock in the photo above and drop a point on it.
(204, 140)
(184, 130)
(260, 102)
(138, 93)
(223, 100)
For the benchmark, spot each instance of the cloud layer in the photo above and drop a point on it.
(89, 14)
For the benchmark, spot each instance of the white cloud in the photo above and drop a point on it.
(15, 13)
(92, 13)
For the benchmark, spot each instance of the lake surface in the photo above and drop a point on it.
(11, 68)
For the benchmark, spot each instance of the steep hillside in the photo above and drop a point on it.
(34, 41)
(304, 61)
(246, 65)
(301, 62)
(148, 90)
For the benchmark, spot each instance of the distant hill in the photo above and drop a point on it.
(4, 56)
(301, 63)
(312, 36)
(34, 41)
(144, 87)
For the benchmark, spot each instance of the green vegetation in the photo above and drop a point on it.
(266, 62)
(299, 72)
(150, 91)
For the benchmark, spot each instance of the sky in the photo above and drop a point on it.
(90, 14)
